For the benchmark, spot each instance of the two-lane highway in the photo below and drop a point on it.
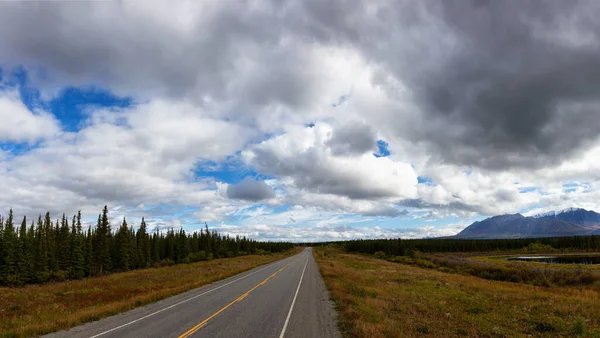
(283, 299)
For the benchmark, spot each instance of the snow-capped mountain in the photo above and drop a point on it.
(575, 215)
(568, 222)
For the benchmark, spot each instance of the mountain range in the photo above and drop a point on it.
(569, 222)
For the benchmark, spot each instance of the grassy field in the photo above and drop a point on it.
(496, 266)
(39, 309)
(379, 298)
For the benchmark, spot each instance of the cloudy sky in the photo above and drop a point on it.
(300, 120)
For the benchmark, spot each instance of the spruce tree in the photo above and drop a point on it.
(77, 269)
(41, 252)
(122, 247)
(50, 234)
(32, 246)
(64, 245)
(134, 258)
(88, 255)
(143, 245)
(23, 259)
(103, 242)
(9, 269)
(2, 260)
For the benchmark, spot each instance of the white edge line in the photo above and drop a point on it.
(287, 320)
(176, 304)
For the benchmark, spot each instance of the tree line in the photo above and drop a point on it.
(404, 247)
(49, 250)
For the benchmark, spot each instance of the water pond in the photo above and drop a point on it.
(567, 259)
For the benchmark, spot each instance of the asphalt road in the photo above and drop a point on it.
(283, 299)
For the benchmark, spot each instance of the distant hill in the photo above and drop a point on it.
(570, 222)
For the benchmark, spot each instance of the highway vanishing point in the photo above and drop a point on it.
(287, 298)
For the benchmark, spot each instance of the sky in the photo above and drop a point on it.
(301, 120)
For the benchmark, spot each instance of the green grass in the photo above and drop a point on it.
(379, 298)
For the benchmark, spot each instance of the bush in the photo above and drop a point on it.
(59, 276)
(42, 277)
(261, 252)
(379, 254)
(164, 262)
(209, 256)
(401, 260)
(425, 263)
(537, 246)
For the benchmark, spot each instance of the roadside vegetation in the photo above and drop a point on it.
(34, 310)
(404, 247)
(54, 251)
(499, 268)
(377, 297)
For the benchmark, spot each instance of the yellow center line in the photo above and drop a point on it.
(199, 326)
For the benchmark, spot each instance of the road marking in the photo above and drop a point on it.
(287, 320)
(183, 301)
(199, 326)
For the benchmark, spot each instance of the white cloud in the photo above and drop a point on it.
(303, 154)
(213, 79)
(19, 124)
(140, 155)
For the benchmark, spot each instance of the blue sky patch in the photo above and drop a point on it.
(525, 190)
(383, 149)
(70, 105)
(424, 180)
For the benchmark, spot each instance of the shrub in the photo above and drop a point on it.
(579, 327)
(379, 254)
(261, 252)
(401, 260)
(164, 262)
(544, 327)
(59, 276)
(537, 246)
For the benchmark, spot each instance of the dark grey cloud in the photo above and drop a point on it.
(514, 92)
(496, 84)
(250, 190)
(122, 45)
(353, 138)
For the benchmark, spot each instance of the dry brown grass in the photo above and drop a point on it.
(39, 309)
(378, 298)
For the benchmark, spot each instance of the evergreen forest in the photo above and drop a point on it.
(46, 250)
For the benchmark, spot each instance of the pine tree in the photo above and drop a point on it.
(143, 245)
(23, 260)
(41, 252)
(156, 255)
(88, 255)
(9, 269)
(122, 247)
(103, 242)
(2, 259)
(64, 245)
(50, 234)
(77, 269)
